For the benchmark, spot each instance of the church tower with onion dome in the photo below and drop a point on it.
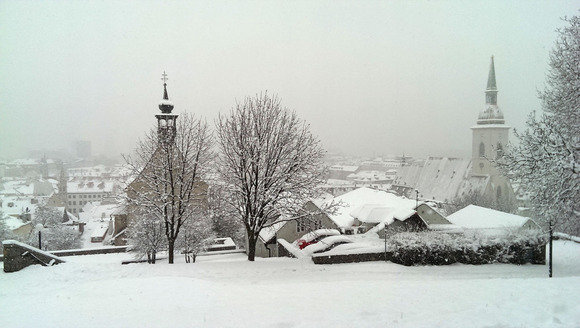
(166, 121)
(490, 136)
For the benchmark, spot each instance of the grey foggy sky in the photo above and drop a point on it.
(386, 77)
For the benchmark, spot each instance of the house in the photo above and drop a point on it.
(291, 230)
(476, 218)
(420, 218)
(97, 223)
(341, 172)
(372, 200)
(18, 226)
(391, 206)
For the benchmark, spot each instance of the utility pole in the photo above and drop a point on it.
(416, 198)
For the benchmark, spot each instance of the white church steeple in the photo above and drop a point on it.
(490, 135)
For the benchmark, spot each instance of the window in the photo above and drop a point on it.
(300, 226)
(481, 150)
(317, 224)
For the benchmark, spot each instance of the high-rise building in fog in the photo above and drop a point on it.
(82, 149)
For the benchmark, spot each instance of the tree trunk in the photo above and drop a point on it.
(171, 248)
(193, 256)
(153, 257)
(550, 253)
(252, 248)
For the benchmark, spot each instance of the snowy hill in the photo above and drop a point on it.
(229, 291)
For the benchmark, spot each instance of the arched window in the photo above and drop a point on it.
(498, 193)
(481, 150)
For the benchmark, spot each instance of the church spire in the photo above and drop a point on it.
(491, 114)
(165, 105)
(491, 90)
(166, 126)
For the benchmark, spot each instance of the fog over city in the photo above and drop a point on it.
(370, 77)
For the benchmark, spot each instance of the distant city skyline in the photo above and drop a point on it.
(382, 78)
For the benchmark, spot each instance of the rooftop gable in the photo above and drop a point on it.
(476, 217)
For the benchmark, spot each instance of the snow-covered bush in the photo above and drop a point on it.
(436, 248)
(195, 237)
(147, 236)
(55, 238)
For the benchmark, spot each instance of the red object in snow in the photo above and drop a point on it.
(303, 243)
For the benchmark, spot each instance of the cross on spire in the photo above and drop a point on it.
(164, 77)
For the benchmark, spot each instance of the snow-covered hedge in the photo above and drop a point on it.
(434, 248)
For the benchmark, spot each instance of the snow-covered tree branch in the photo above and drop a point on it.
(269, 161)
(169, 176)
(547, 159)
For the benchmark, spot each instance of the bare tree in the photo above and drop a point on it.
(169, 175)
(547, 158)
(269, 161)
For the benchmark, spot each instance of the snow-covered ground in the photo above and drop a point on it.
(228, 291)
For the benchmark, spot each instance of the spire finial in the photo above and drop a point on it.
(491, 85)
(164, 79)
(165, 106)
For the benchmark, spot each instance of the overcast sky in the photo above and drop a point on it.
(371, 77)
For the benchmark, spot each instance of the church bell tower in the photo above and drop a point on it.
(490, 135)
(166, 125)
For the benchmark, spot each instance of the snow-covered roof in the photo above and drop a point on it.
(98, 211)
(24, 161)
(347, 168)
(17, 187)
(442, 179)
(475, 217)
(100, 230)
(375, 213)
(97, 186)
(13, 223)
(364, 196)
(269, 232)
(18, 205)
